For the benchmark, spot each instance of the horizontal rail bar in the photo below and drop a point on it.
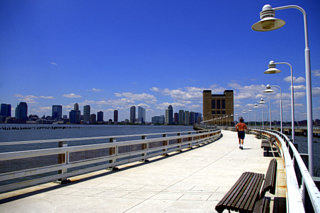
(113, 159)
(90, 138)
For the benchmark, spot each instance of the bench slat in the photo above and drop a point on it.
(270, 181)
(232, 193)
(256, 193)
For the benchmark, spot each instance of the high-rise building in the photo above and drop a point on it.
(115, 116)
(86, 114)
(192, 119)
(141, 115)
(186, 118)
(76, 106)
(169, 115)
(218, 105)
(132, 114)
(5, 110)
(21, 113)
(176, 118)
(100, 116)
(57, 112)
(181, 117)
(93, 118)
(158, 119)
(74, 116)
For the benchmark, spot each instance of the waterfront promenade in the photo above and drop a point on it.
(193, 181)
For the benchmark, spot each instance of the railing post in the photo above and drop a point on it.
(112, 150)
(145, 147)
(190, 139)
(63, 159)
(165, 143)
(179, 141)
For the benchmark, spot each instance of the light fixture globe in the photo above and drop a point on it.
(272, 68)
(268, 89)
(268, 21)
(261, 101)
(256, 105)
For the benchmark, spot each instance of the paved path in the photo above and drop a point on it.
(193, 181)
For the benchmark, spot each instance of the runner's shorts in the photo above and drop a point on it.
(241, 134)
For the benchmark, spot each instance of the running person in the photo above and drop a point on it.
(240, 127)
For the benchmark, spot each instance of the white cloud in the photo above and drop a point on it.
(46, 97)
(138, 97)
(164, 105)
(96, 90)
(154, 89)
(316, 73)
(298, 87)
(47, 108)
(54, 63)
(316, 91)
(72, 95)
(31, 98)
(295, 80)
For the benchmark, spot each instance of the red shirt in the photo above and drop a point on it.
(241, 126)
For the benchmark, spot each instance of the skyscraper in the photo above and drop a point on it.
(141, 115)
(176, 118)
(181, 117)
(22, 112)
(5, 110)
(132, 114)
(100, 116)
(57, 112)
(86, 114)
(76, 106)
(218, 105)
(115, 116)
(169, 115)
(74, 116)
(186, 118)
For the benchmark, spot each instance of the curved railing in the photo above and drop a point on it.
(302, 193)
(47, 162)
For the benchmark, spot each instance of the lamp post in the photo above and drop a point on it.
(250, 110)
(268, 22)
(269, 90)
(255, 120)
(262, 102)
(272, 70)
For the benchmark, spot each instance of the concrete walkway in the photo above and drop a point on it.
(193, 181)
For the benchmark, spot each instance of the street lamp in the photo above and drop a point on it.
(255, 121)
(267, 23)
(262, 102)
(272, 70)
(269, 90)
(250, 110)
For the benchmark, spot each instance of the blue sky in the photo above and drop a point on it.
(115, 54)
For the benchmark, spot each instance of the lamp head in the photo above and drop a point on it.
(256, 106)
(268, 89)
(272, 68)
(268, 21)
(261, 101)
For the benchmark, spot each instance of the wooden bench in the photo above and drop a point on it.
(245, 195)
(267, 144)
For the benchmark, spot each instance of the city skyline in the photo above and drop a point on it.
(151, 54)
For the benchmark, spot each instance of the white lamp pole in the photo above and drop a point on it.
(255, 120)
(262, 102)
(267, 23)
(269, 90)
(272, 70)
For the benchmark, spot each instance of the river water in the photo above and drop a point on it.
(23, 132)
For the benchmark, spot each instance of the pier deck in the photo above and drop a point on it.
(193, 181)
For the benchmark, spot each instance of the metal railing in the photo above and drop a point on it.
(302, 193)
(31, 167)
